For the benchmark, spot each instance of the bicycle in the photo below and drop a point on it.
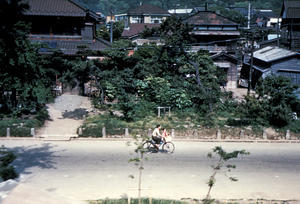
(150, 146)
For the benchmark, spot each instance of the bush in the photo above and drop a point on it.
(21, 127)
(6, 170)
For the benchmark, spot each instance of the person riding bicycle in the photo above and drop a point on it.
(156, 136)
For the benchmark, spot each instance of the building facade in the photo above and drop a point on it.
(63, 25)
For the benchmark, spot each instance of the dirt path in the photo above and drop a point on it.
(67, 114)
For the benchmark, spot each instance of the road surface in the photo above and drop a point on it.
(88, 170)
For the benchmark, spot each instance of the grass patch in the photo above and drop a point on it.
(20, 127)
(135, 201)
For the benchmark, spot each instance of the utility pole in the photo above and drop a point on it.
(249, 15)
(111, 26)
(251, 65)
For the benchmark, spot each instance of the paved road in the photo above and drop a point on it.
(98, 169)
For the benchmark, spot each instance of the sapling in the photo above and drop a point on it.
(222, 158)
(139, 161)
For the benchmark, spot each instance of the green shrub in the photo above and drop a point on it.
(92, 131)
(6, 170)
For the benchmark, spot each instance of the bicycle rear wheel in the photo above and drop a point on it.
(168, 147)
(149, 147)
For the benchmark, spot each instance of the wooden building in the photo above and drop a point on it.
(290, 26)
(273, 60)
(63, 25)
(213, 32)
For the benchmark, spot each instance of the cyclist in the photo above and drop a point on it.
(156, 136)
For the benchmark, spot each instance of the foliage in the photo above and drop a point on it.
(104, 31)
(7, 171)
(24, 81)
(273, 102)
(222, 158)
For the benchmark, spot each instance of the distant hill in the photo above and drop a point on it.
(121, 6)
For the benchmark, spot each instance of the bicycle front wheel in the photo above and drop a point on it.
(168, 147)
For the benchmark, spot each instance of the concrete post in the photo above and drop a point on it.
(149, 134)
(219, 134)
(242, 134)
(169, 111)
(265, 136)
(173, 133)
(158, 108)
(288, 135)
(7, 132)
(80, 131)
(103, 132)
(126, 132)
(32, 132)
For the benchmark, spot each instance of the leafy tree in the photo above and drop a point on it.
(23, 76)
(222, 158)
(273, 102)
(104, 31)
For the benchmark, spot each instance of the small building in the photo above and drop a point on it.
(272, 60)
(146, 13)
(290, 26)
(63, 25)
(229, 66)
(213, 32)
(142, 17)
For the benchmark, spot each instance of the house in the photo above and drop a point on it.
(290, 26)
(63, 25)
(229, 66)
(272, 60)
(137, 19)
(213, 32)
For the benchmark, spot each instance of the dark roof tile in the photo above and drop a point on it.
(137, 28)
(55, 8)
(208, 18)
(70, 47)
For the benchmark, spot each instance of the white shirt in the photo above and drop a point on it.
(156, 132)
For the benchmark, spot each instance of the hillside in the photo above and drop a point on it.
(121, 6)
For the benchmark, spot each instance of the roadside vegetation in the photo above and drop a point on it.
(7, 171)
(131, 81)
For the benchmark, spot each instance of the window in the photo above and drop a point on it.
(229, 28)
(136, 19)
(156, 20)
(200, 27)
(214, 28)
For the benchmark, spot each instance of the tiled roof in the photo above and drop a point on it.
(55, 8)
(70, 47)
(147, 9)
(208, 18)
(272, 53)
(137, 28)
(291, 9)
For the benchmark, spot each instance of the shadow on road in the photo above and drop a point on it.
(34, 156)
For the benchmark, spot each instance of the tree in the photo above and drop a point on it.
(22, 77)
(222, 158)
(273, 102)
(139, 162)
(104, 31)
